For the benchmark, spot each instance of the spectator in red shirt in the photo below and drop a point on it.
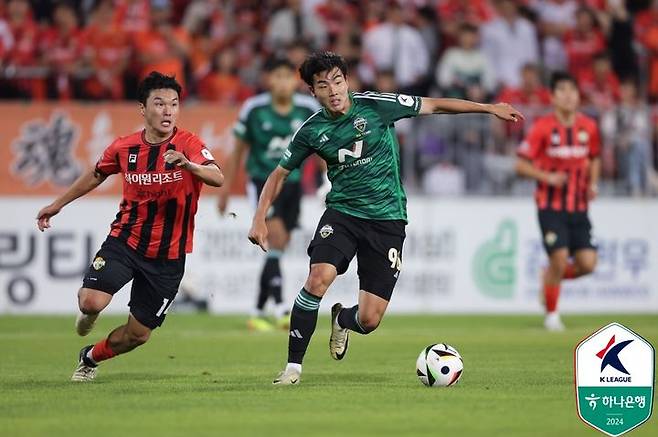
(132, 15)
(61, 50)
(530, 92)
(454, 13)
(223, 84)
(163, 48)
(646, 32)
(600, 85)
(21, 60)
(107, 50)
(582, 43)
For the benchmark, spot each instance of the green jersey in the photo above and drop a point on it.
(362, 154)
(268, 133)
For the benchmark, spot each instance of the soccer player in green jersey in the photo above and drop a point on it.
(366, 210)
(266, 124)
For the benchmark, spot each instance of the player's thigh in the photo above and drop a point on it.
(580, 230)
(379, 258)
(111, 269)
(334, 241)
(154, 288)
(554, 229)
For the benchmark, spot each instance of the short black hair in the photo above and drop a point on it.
(561, 76)
(156, 81)
(275, 62)
(321, 61)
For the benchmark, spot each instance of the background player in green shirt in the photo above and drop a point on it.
(266, 124)
(366, 207)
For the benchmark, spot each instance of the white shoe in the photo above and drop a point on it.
(289, 376)
(84, 372)
(553, 323)
(84, 323)
(339, 339)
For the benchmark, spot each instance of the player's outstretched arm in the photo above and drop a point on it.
(231, 170)
(209, 174)
(504, 111)
(271, 190)
(84, 184)
(526, 168)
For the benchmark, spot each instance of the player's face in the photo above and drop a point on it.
(282, 82)
(161, 111)
(566, 97)
(331, 89)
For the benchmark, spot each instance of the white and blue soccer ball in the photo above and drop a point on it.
(439, 365)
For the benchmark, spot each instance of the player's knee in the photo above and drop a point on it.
(557, 267)
(318, 282)
(587, 267)
(90, 304)
(369, 322)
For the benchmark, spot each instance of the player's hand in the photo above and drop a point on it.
(175, 157)
(222, 202)
(592, 191)
(506, 112)
(556, 179)
(258, 234)
(43, 216)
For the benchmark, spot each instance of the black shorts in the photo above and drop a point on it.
(561, 229)
(377, 245)
(287, 204)
(155, 281)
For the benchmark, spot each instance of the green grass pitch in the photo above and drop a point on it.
(205, 375)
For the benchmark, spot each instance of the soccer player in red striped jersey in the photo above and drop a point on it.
(163, 169)
(561, 152)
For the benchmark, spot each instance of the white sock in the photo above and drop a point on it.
(90, 356)
(294, 366)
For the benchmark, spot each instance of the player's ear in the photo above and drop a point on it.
(310, 88)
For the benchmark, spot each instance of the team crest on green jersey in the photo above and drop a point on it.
(360, 124)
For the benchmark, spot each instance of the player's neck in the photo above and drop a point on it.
(282, 105)
(152, 136)
(566, 118)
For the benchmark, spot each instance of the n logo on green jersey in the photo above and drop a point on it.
(356, 151)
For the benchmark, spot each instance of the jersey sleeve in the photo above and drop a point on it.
(298, 150)
(197, 152)
(533, 144)
(108, 164)
(392, 107)
(240, 129)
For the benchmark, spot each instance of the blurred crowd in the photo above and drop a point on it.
(483, 50)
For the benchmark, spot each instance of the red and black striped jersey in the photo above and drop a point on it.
(553, 147)
(156, 215)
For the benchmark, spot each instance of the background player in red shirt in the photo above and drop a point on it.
(163, 169)
(561, 152)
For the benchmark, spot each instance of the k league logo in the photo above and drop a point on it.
(614, 379)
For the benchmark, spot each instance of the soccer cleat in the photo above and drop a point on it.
(259, 324)
(283, 322)
(553, 323)
(86, 370)
(287, 377)
(339, 339)
(84, 323)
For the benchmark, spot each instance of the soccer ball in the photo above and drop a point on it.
(439, 365)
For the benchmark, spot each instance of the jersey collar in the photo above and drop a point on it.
(173, 133)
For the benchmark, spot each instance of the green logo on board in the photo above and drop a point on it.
(494, 263)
